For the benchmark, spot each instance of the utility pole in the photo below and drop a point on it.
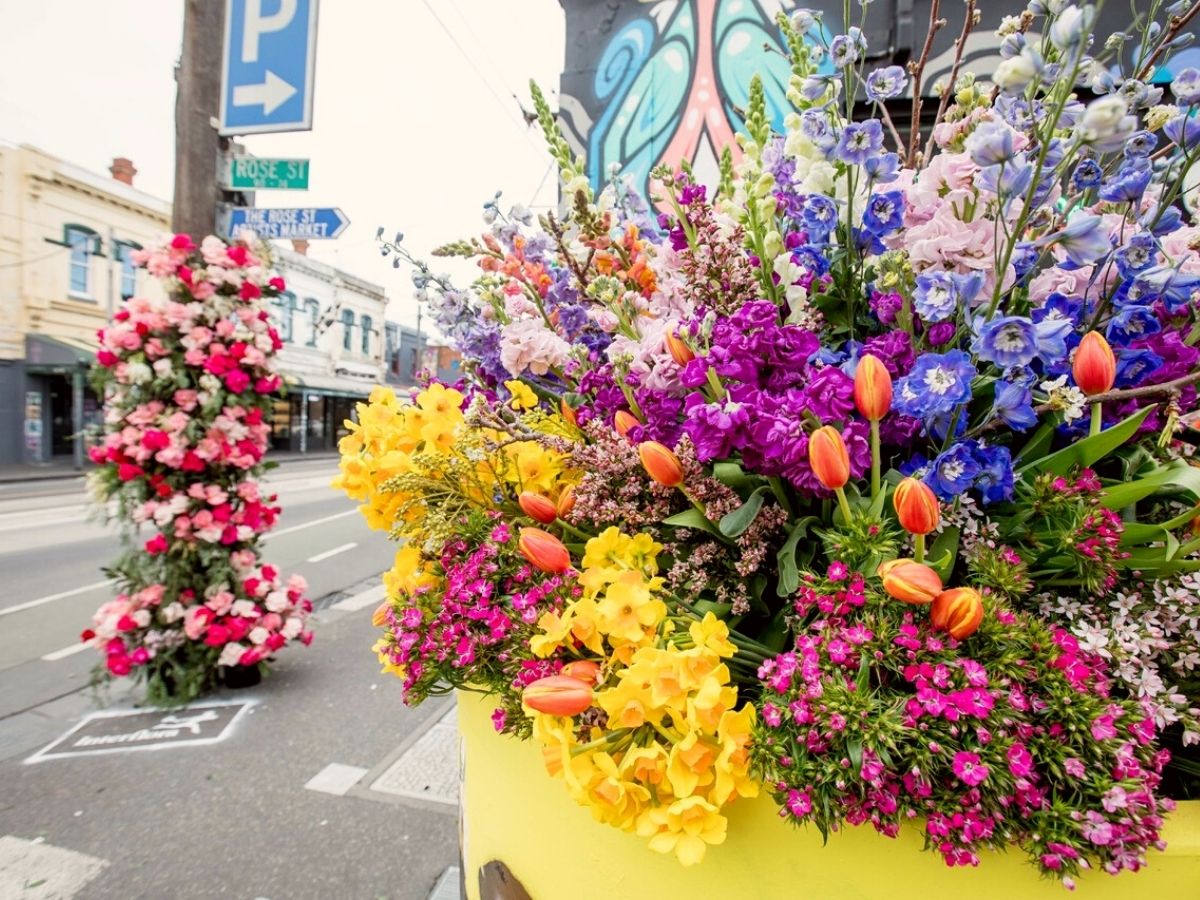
(197, 102)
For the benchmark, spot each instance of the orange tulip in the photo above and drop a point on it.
(379, 617)
(568, 412)
(585, 670)
(624, 420)
(872, 388)
(544, 551)
(957, 611)
(910, 581)
(916, 506)
(566, 502)
(828, 457)
(558, 695)
(1095, 367)
(679, 350)
(661, 464)
(538, 507)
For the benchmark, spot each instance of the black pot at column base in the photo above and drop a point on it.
(236, 677)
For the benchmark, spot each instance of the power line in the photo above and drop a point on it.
(36, 259)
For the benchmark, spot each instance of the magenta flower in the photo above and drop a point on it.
(969, 768)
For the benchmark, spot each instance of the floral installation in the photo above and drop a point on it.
(188, 380)
(862, 478)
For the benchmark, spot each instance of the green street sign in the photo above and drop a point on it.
(247, 173)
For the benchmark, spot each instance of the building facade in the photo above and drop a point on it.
(66, 236)
(334, 350)
(404, 349)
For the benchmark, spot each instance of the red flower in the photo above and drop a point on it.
(119, 665)
(157, 544)
(128, 471)
(154, 440)
(216, 636)
(86, 635)
(237, 381)
(277, 283)
(126, 623)
(237, 254)
(250, 291)
(192, 462)
(106, 358)
(183, 242)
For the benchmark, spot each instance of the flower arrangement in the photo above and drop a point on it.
(862, 477)
(188, 380)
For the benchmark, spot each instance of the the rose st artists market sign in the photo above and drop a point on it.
(124, 730)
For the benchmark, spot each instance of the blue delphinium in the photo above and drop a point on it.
(883, 168)
(1088, 174)
(1007, 341)
(1132, 322)
(1085, 239)
(1137, 254)
(884, 212)
(859, 142)
(1129, 182)
(936, 296)
(820, 215)
(1014, 405)
(995, 481)
(938, 383)
(1134, 365)
(954, 471)
(886, 83)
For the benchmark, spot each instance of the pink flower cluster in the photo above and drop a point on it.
(188, 378)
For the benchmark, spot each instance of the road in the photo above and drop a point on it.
(52, 553)
(326, 786)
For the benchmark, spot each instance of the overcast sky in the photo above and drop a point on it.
(410, 130)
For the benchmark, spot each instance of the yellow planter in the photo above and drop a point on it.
(515, 813)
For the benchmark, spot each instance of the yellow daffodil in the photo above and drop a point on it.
(712, 634)
(684, 828)
(522, 397)
(628, 611)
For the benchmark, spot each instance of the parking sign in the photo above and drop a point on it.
(270, 58)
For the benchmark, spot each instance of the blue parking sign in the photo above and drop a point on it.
(270, 58)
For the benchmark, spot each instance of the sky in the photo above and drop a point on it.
(414, 122)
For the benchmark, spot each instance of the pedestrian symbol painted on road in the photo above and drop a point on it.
(124, 730)
(269, 62)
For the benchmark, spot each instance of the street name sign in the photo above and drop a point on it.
(120, 731)
(314, 223)
(248, 173)
(269, 63)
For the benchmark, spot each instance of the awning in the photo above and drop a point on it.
(57, 353)
(329, 385)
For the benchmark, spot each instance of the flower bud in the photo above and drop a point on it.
(544, 551)
(661, 464)
(828, 457)
(586, 670)
(957, 611)
(872, 388)
(916, 506)
(625, 420)
(558, 695)
(910, 581)
(1095, 367)
(680, 351)
(566, 502)
(379, 617)
(538, 507)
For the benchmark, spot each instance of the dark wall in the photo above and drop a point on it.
(646, 83)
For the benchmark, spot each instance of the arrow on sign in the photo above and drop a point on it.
(270, 95)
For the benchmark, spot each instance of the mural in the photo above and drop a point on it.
(660, 81)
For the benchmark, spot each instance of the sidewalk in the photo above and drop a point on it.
(62, 469)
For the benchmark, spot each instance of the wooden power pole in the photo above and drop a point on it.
(197, 102)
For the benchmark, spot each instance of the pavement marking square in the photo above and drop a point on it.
(372, 597)
(125, 730)
(33, 870)
(335, 779)
(447, 885)
(428, 770)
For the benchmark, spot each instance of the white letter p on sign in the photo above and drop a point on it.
(257, 24)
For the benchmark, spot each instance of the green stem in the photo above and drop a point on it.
(1097, 419)
(875, 461)
(844, 505)
(566, 526)
(919, 547)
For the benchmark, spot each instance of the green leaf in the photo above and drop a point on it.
(1178, 474)
(789, 572)
(731, 474)
(854, 750)
(1036, 445)
(691, 518)
(736, 522)
(1089, 450)
(863, 682)
(944, 552)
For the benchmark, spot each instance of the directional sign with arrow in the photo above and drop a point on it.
(312, 223)
(270, 58)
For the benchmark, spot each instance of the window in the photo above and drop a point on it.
(124, 251)
(366, 335)
(82, 242)
(392, 345)
(283, 305)
(312, 315)
(347, 329)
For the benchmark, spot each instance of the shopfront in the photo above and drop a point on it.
(59, 409)
(311, 417)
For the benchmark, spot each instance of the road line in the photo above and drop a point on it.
(334, 517)
(334, 552)
(335, 779)
(370, 597)
(50, 598)
(68, 651)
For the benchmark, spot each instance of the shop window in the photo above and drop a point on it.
(284, 305)
(84, 245)
(366, 335)
(347, 329)
(129, 269)
(312, 316)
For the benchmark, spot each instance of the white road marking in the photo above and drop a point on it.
(334, 552)
(50, 598)
(371, 597)
(68, 651)
(335, 516)
(335, 779)
(40, 871)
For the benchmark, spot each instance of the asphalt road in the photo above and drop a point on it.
(289, 802)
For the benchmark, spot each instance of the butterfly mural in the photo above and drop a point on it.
(671, 85)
